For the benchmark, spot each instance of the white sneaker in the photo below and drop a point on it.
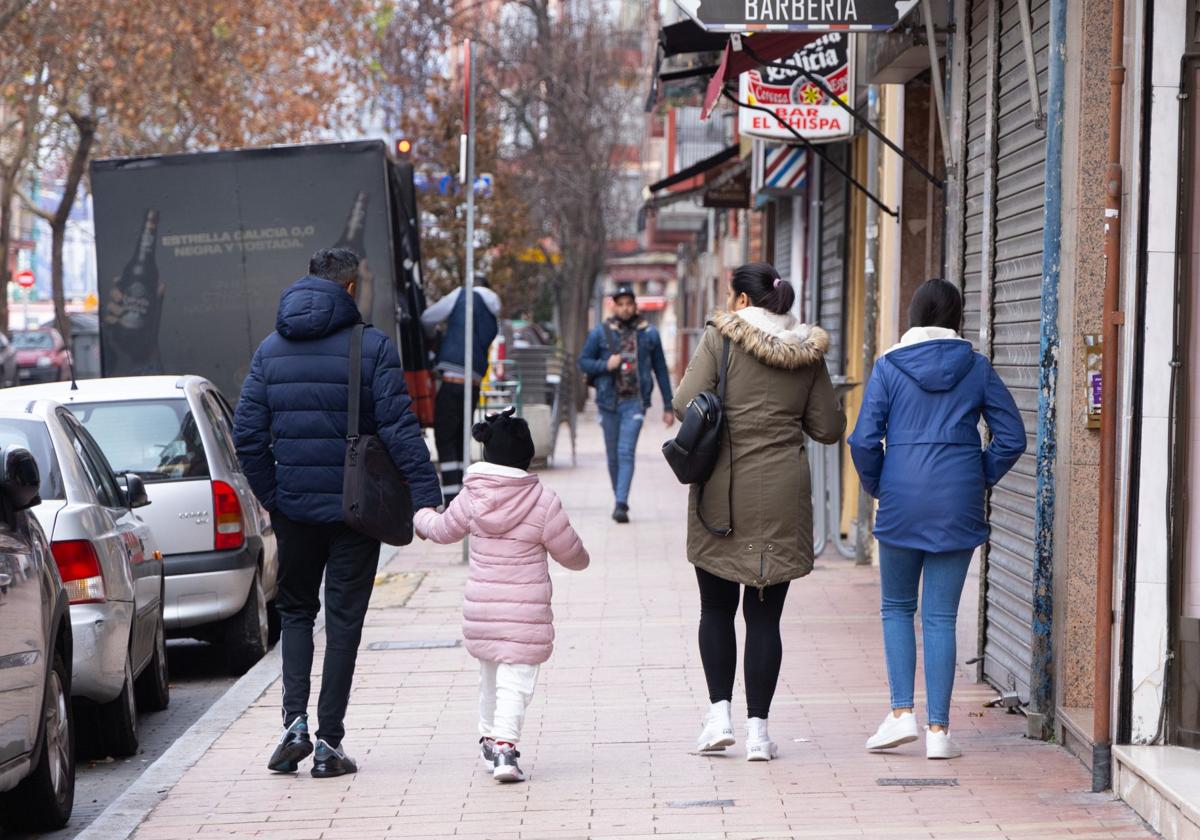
(505, 767)
(759, 746)
(894, 731)
(939, 745)
(718, 729)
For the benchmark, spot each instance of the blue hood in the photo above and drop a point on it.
(935, 365)
(313, 308)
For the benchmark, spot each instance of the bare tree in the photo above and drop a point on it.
(557, 70)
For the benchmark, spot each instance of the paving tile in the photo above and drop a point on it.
(609, 732)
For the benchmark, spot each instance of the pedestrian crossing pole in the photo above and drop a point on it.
(467, 173)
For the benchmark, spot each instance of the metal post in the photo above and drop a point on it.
(1035, 98)
(866, 505)
(939, 98)
(468, 176)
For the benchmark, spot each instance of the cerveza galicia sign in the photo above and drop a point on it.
(796, 15)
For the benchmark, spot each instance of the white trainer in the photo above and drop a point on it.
(759, 746)
(894, 731)
(938, 745)
(718, 729)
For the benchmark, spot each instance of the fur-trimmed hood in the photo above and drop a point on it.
(778, 341)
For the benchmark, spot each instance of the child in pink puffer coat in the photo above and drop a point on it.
(507, 621)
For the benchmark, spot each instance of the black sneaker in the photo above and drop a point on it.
(505, 767)
(329, 762)
(294, 746)
(487, 751)
(621, 513)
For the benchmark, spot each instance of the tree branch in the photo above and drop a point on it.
(32, 207)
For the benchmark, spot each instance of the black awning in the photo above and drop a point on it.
(689, 37)
(698, 168)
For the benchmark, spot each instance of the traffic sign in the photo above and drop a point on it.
(25, 279)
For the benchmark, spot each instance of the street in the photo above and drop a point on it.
(199, 675)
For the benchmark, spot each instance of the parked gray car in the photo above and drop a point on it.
(37, 761)
(176, 434)
(112, 567)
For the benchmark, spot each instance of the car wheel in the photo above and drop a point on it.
(247, 634)
(43, 801)
(153, 684)
(118, 719)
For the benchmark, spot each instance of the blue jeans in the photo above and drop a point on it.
(621, 431)
(900, 570)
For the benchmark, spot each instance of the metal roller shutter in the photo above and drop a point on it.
(977, 166)
(783, 238)
(1011, 291)
(834, 198)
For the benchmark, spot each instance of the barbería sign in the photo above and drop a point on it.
(796, 15)
(796, 98)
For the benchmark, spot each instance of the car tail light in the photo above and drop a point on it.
(79, 566)
(229, 531)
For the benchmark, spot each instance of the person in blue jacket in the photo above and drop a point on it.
(451, 310)
(621, 357)
(290, 432)
(917, 449)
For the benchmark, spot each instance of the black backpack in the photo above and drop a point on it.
(693, 452)
(376, 499)
(613, 347)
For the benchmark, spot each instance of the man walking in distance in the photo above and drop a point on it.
(290, 431)
(451, 360)
(621, 358)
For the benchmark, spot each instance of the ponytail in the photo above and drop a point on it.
(761, 283)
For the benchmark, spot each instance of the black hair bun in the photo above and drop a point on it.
(482, 432)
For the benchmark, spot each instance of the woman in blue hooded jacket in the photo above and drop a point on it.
(917, 450)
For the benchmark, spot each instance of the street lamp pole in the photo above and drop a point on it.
(467, 159)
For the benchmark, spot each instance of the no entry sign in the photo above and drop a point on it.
(24, 279)
(796, 15)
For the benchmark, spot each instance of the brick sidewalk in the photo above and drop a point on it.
(608, 735)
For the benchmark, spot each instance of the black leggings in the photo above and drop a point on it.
(718, 640)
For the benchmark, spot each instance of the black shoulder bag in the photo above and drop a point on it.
(613, 347)
(376, 499)
(693, 452)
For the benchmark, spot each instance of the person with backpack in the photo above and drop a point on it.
(621, 358)
(448, 420)
(751, 523)
(917, 450)
(514, 522)
(291, 430)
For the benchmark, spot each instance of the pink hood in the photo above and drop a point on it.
(514, 522)
(501, 501)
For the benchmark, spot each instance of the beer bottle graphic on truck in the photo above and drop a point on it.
(354, 237)
(134, 307)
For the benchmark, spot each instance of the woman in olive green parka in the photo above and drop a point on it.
(778, 394)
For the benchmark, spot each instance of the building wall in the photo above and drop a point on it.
(1081, 291)
(1150, 616)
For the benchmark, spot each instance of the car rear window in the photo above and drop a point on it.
(157, 439)
(33, 435)
(33, 341)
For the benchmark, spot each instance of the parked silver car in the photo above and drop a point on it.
(37, 761)
(176, 433)
(112, 567)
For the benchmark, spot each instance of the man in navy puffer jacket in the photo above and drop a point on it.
(290, 431)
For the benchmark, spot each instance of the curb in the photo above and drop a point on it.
(120, 819)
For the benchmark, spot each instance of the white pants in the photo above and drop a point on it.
(504, 694)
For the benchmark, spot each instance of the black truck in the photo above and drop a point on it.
(193, 251)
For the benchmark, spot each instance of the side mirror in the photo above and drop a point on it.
(133, 490)
(20, 479)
